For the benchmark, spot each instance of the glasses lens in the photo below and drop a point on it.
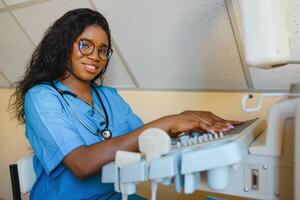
(86, 47)
(105, 53)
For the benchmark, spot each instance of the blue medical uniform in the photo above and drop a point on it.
(54, 131)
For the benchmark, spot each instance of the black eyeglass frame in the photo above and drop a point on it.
(109, 50)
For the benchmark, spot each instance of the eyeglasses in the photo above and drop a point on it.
(87, 47)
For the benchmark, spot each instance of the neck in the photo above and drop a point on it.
(81, 88)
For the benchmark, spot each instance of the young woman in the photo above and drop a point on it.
(76, 126)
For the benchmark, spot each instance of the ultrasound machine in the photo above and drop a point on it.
(257, 159)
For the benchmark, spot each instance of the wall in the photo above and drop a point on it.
(13, 144)
(148, 105)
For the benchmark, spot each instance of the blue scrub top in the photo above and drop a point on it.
(54, 131)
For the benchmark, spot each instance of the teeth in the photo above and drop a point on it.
(90, 66)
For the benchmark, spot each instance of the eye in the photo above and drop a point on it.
(84, 44)
(103, 51)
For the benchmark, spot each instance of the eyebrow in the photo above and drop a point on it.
(90, 40)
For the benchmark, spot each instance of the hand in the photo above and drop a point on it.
(198, 121)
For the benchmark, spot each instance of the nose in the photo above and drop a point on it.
(94, 55)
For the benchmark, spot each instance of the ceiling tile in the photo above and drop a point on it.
(176, 44)
(4, 83)
(116, 74)
(1, 4)
(15, 48)
(13, 2)
(37, 18)
(276, 78)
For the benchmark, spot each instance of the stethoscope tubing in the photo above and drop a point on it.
(106, 130)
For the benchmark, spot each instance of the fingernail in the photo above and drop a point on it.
(225, 129)
(211, 131)
(229, 125)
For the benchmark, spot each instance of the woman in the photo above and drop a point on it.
(68, 117)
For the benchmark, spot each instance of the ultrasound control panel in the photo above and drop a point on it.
(184, 160)
(205, 140)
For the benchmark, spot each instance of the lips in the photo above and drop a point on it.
(90, 68)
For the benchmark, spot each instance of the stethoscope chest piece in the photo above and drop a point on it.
(106, 134)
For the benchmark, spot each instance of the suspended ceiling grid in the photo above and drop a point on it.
(157, 44)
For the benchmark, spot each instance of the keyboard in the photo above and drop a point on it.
(205, 140)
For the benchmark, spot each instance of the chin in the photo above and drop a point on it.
(88, 76)
(85, 79)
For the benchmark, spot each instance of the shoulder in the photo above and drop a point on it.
(41, 88)
(42, 92)
(107, 91)
(111, 96)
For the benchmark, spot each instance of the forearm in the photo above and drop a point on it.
(88, 160)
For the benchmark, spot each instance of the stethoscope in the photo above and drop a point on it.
(105, 133)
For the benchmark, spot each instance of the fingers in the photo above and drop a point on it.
(220, 126)
(217, 123)
(213, 127)
(216, 118)
(234, 122)
(207, 116)
(211, 122)
(203, 121)
(203, 127)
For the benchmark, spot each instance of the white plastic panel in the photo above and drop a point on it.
(176, 44)
(37, 18)
(282, 77)
(26, 174)
(265, 32)
(295, 29)
(15, 49)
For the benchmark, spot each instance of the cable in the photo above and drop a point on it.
(153, 190)
(124, 196)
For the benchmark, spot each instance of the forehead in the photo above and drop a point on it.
(95, 34)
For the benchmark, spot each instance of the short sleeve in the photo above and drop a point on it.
(120, 110)
(49, 128)
(133, 120)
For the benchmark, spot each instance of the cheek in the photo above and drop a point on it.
(75, 58)
(102, 63)
(75, 53)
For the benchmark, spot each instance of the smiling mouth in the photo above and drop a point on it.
(90, 68)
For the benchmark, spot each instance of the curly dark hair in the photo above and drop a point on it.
(51, 57)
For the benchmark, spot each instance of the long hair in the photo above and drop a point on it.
(51, 57)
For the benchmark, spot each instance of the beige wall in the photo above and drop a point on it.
(147, 104)
(13, 144)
